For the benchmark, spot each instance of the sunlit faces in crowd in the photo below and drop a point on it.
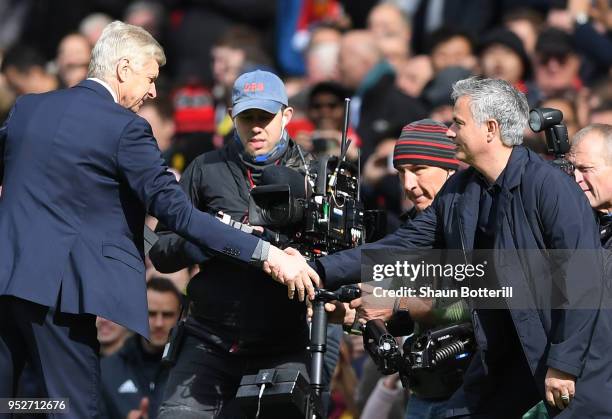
(413, 74)
(391, 31)
(164, 309)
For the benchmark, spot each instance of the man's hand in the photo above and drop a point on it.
(142, 412)
(370, 307)
(365, 312)
(560, 388)
(290, 269)
(340, 313)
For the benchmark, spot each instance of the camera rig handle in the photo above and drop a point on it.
(318, 332)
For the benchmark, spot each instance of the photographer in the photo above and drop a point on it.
(511, 200)
(424, 159)
(240, 320)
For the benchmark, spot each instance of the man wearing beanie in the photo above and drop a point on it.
(533, 228)
(240, 321)
(425, 158)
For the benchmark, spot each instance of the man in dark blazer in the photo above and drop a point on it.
(522, 213)
(79, 171)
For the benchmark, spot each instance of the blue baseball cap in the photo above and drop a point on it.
(258, 90)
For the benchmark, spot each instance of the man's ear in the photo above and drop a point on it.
(123, 69)
(288, 114)
(492, 129)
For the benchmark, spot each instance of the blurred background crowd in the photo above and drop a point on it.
(396, 60)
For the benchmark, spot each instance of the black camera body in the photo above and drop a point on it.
(319, 213)
(433, 362)
(436, 346)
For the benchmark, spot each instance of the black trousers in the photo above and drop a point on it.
(62, 350)
(205, 379)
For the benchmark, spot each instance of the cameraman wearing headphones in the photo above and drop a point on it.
(240, 320)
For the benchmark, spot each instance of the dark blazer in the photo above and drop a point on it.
(539, 208)
(80, 172)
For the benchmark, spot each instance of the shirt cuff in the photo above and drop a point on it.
(260, 255)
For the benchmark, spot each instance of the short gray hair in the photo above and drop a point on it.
(604, 130)
(120, 40)
(496, 99)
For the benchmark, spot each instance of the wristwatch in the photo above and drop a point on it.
(401, 304)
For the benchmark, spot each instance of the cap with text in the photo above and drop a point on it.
(258, 90)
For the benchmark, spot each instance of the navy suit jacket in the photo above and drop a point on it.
(79, 172)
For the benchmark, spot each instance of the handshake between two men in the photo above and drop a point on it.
(290, 268)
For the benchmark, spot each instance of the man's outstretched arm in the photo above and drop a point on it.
(141, 166)
(344, 267)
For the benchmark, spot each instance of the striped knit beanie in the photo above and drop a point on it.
(425, 142)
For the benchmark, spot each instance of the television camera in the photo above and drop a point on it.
(318, 213)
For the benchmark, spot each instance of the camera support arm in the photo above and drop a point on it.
(318, 332)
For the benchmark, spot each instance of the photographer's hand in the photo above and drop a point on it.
(340, 313)
(290, 268)
(370, 307)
